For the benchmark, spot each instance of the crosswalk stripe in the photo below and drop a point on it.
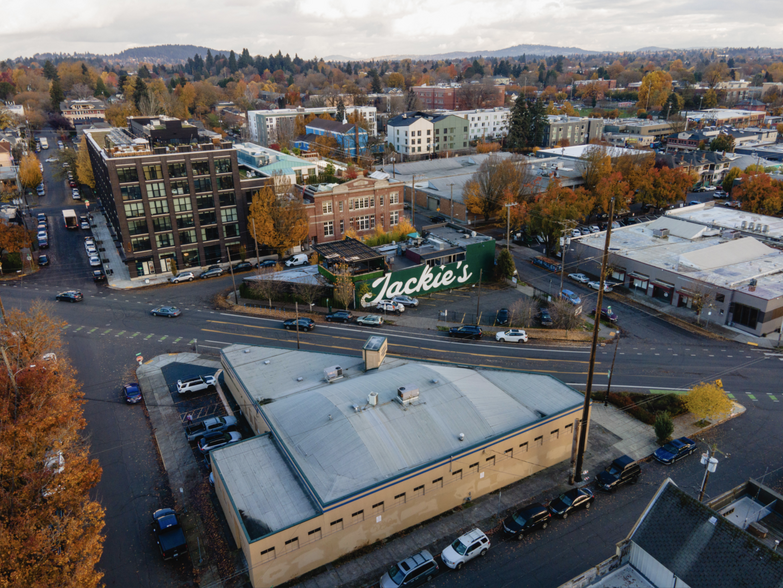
(79, 328)
(93, 330)
(134, 334)
(772, 397)
(120, 333)
(106, 332)
(177, 340)
(163, 338)
(148, 337)
(751, 396)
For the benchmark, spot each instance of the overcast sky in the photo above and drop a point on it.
(370, 28)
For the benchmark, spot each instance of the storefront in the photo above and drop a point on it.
(639, 282)
(663, 290)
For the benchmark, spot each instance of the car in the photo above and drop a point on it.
(84, 225)
(571, 500)
(266, 263)
(90, 249)
(616, 225)
(298, 259)
(211, 273)
(623, 470)
(75, 194)
(196, 384)
(734, 204)
(41, 217)
(51, 160)
(98, 275)
(132, 393)
(529, 518)
(43, 260)
(302, 324)
(83, 218)
(710, 188)
(675, 450)
(438, 219)
(370, 320)
(389, 306)
(182, 277)
(72, 184)
(70, 296)
(95, 261)
(43, 235)
(168, 533)
(571, 297)
(42, 227)
(209, 426)
(243, 266)
(406, 300)
(472, 544)
(502, 317)
(168, 311)
(693, 202)
(595, 285)
(342, 316)
(576, 233)
(41, 192)
(609, 315)
(545, 318)
(594, 229)
(216, 440)
(581, 278)
(89, 239)
(412, 571)
(466, 332)
(513, 335)
(43, 244)
(720, 195)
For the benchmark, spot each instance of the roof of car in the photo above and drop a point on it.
(472, 535)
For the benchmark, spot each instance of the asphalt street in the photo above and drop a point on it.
(105, 333)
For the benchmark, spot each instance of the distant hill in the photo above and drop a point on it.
(651, 49)
(515, 51)
(163, 53)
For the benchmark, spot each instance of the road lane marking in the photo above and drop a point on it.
(92, 330)
(163, 338)
(120, 333)
(751, 396)
(177, 340)
(134, 334)
(148, 337)
(772, 397)
(106, 332)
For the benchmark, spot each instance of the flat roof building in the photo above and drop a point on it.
(347, 455)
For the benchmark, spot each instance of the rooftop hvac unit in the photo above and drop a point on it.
(407, 394)
(661, 233)
(333, 373)
(744, 225)
(372, 398)
(765, 230)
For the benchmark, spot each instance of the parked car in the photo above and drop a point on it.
(43, 244)
(371, 320)
(243, 266)
(513, 335)
(98, 275)
(571, 500)
(502, 317)
(70, 296)
(211, 273)
(472, 544)
(84, 225)
(208, 426)
(42, 235)
(466, 332)
(182, 277)
(95, 261)
(571, 297)
(132, 393)
(41, 217)
(406, 300)
(389, 306)
(693, 202)
(90, 249)
(342, 316)
(43, 260)
(75, 194)
(734, 204)
(581, 278)
(168, 311)
(438, 219)
(412, 571)
(298, 259)
(168, 533)
(576, 233)
(720, 195)
(608, 314)
(196, 384)
(545, 318)
(266, 263)
(304, 324)
(675, 450)
(595, 285)
(594, 229)
(214, 441)
(622, 470)
(531, 517)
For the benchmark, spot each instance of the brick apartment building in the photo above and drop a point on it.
(175, 198)
(361, 205)
(447, 97)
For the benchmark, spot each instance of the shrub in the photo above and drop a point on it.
(664, 427)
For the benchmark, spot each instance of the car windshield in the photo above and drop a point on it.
(565, 499)
(671, 448)
(396, 574)
(459, 547)
(519, 519)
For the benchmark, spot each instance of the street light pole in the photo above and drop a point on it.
(710, 464)
(611, 369)
(508, 221)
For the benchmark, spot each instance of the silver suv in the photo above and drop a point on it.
(196, 384)
(182, 277)
(413, 571)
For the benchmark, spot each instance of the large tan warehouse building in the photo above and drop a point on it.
(346, 455)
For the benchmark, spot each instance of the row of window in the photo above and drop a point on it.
(176, 170)
(163, 223)
(161, 206)
(178, 187)
(359, 203)
(186, 237)
(361, 223)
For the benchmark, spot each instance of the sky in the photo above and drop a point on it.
(372, 28)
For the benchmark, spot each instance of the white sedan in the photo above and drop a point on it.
(512, 335)
(581, 278)
(596, 285)
(95, 261)
(389, 306)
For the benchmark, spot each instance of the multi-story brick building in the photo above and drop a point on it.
(449, 97)
(183, 202)
(361, 205)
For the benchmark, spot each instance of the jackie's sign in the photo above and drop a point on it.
(424, 279)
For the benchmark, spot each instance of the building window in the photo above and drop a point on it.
(377, 508)
(227, 198)
(380, 199)
(231, 230)
(228, 215)
(359, 203)
(336, 525)
(137, 227)
(358, 516)
(225, 182)
(418, 491)
(326, 207)
(207, 217)
(134, 209)
(184, 221)
(394, 198)
(187, 237)
(210, 234)
(438, 483)
(399, 499)
(340, 205)
(363, 223)
(473, 468)
(342, 226)
(161, 223)
(159, 206)
(329, 229)
(153, 172)
(267, 554)
(164, 240)
(180, 187)
(538, 441)
(508, 453)
(222, 166)
(314, 535)
(205, 201)
(456, 475)
(140, 243)
(523, 447)
(127, 174)
(569, 429)
(182, 204)
(156, 190)
(490, 461)
(200, 168)
(720, 298)
(394, 218)
(130, 192)
(554, 434)
(746, 316)
(202, 184)
(178, 170)
(292, 544)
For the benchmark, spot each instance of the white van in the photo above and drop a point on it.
(298, 259)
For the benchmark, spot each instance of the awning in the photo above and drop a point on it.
(665, 285)
(639, 276)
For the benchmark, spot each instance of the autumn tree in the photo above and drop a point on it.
(553, 208)
(708, 400)
(50, 529)
(84, 165)
(665, 186)
(634, 168)
(728, 179)
(343, 285)
(655, 89)
(498, 182)
(30, 171)
(722, 142)
(13, 238)
(117, 114)
(710, 99)
(759, 193)
(277, 217)
(596, 164)
(612, 187)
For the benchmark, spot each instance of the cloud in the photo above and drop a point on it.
(364, 28)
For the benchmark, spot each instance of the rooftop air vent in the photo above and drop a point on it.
(407, 394)
(334, 373)
(372, 398)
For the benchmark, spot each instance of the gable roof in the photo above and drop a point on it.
(701, 547)
(331, 125)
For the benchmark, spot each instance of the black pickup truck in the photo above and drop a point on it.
(168, 533)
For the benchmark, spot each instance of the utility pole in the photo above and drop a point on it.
(451, 209)
(413, 201)
(478, 302)
(255, 240)
(233, 281)
(576, 475)
(710, 464)
(611, 369)
(297, 324)
(508, 221)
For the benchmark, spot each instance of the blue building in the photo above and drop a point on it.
(346, 135)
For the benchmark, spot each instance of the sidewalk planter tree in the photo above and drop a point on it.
(505, 265)
(664, 427)
(708, 401)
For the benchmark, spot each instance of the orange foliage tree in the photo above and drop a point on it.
(277, 217)
(759, 193)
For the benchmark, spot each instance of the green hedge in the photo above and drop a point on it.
(644, 407)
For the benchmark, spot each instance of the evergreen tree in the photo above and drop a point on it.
(56, 95)
(101, 89)
(210, 61)
(50, 72)
(517, 131)
(538, 123)
(143, 73)
(232, 62)
(340, 111)
(245, 59)
(375, 85)
(139, 92)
